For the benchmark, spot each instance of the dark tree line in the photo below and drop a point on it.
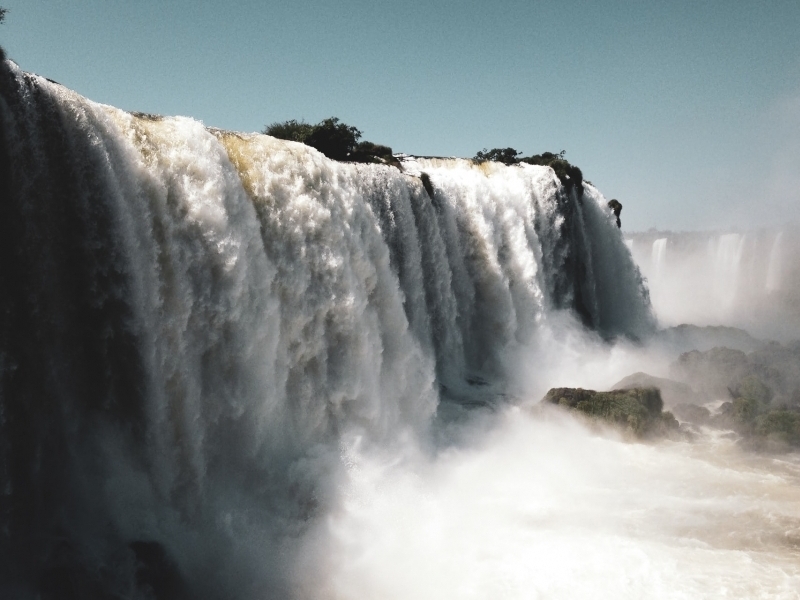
(569, 175)
(3, 13)
(335, 139)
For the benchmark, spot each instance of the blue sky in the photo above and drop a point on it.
(687, 112)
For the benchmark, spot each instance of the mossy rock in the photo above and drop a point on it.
(779, 428)
(638, 411)
(692, 413)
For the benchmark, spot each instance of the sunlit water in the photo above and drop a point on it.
(242, 353)
(539, 508)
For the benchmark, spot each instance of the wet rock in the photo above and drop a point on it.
(638, 411)
(692, 413)
(616, 206)
(672, 392)
(156, 573)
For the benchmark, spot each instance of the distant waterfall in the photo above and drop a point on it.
(775, 265)
(659, 253)
(750, 280)
(193, 320)
(727, 265)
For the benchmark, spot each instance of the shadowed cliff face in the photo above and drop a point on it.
(193, 322)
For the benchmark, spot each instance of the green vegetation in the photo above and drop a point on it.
(778, 428)
(3, 12)
(507, 156)
(753, 415)
(295, 131)
(335, 139)
(569, 175)
(638, 411)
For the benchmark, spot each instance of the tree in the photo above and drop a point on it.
(507, 156)
(295, 131)
(334, 139)
(3, 12)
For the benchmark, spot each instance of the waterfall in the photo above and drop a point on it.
(774, 266)
(193, 321)
(717, 278)
(659, 253)
(727, 267)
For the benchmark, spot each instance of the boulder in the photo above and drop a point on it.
(672, 392)
(691, 413)
(712, 373)
(638, 411)
(616, 207)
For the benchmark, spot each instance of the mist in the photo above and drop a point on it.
(740, 278)
(528, 502)
(231, 367)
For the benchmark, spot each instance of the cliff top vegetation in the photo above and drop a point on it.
(332, 137)
(3, 13)
(569, 175)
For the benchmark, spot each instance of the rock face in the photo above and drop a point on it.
(719, 372)
(616, 206)
(761, 389)
(673, 392)
(683, 338)
(638, 411)
(712, 372)
(692, 413)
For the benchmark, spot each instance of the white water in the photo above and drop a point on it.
(659, 252)
(542, 510)
(727, 267)
(775, 265)
(237, 349)
(749, 280)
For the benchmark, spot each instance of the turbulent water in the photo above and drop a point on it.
(233, 368)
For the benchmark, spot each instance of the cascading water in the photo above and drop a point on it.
(659, 252)
(727, 265)
(775, 264)
(193, 322)
(749, 280)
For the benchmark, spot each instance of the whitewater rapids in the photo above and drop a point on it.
(225, 362)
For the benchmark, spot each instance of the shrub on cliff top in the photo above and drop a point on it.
(335, 139)
(570, 176)
(507, 156)
(292, 130)
(3, 12)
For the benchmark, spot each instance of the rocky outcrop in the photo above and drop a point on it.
(637, 411)
(692, 413)
(718, 373)
(713, 372)
(672, 392)
(616, 207)
(683, 338)
(761, 389)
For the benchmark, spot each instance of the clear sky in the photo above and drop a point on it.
(688, 112)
